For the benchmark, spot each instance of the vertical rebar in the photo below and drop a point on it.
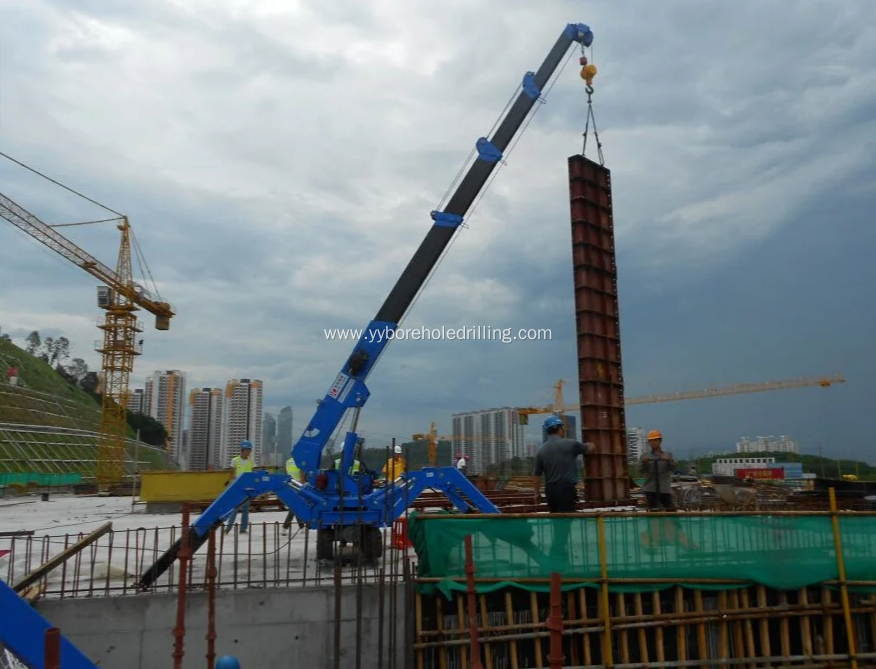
(211, 598)
(52, 648)
(555, 622)
(606, 606)
(472, 605)
(364, 543)
(841, 573)
(337, 653)
(179, 631)
(380, 600)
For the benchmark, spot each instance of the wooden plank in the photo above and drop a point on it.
(62, 557)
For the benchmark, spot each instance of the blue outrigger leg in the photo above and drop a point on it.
(23, 631)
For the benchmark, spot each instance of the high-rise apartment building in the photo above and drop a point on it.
(270, 456)
(636, 443)
(242, 419)
(137, 401)
(488, 437)
(771, 444)
(284, 433)
(166, 402)
(205, 429)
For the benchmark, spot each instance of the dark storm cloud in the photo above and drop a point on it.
(279, 166)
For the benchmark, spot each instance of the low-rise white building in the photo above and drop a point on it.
(728, 466)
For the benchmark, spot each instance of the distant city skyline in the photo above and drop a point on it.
(213, 420)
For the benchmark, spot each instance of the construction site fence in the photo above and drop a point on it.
(639, 552)
(677, 627)
(637, 590)
(263, 557)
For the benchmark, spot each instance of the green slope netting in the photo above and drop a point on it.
(784, 553)
(34, 478)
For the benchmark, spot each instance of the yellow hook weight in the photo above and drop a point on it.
(588, 72)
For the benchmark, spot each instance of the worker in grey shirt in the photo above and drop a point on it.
(557, 461)
(657, 466)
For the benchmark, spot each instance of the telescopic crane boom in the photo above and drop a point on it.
(336, 498)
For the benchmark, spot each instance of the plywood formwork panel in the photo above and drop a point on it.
(600, 372)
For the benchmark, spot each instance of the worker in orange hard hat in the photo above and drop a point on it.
(658, 466)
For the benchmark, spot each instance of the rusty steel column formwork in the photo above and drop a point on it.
(600, 375)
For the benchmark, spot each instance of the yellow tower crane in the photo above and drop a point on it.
(120, 298)
(559, 406)
(432, 438)
(739, 389)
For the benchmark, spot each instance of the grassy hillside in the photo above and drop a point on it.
(49, 427)
(58, 452)
(36, 375)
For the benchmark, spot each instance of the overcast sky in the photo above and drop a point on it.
(279, 160)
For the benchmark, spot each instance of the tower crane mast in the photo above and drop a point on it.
(432, 437)
(120, 298)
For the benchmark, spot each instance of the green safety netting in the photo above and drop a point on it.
(34, 478)
(781, 552)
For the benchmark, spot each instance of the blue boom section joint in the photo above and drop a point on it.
(530, 87)
(488, 151)
(444, 220)
(579, 32)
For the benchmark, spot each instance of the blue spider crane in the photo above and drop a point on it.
(347, 506)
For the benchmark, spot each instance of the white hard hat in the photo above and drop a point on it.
(398, 450)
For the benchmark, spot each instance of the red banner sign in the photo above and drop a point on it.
(763, 474)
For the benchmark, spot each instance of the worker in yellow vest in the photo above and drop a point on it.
(354, 469)
(395, 466)
(297, 475)
(241, 464)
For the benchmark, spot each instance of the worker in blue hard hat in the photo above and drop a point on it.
(241, 464)
(227, 662)
(557, 461)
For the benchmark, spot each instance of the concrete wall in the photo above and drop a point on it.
(273, 628)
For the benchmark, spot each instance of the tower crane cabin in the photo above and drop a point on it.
(345, 506)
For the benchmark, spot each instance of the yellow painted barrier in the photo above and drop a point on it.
(182, 486)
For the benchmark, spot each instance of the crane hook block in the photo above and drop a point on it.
(530, 87)
(444, 220)
(488, 151)
(588, 72)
